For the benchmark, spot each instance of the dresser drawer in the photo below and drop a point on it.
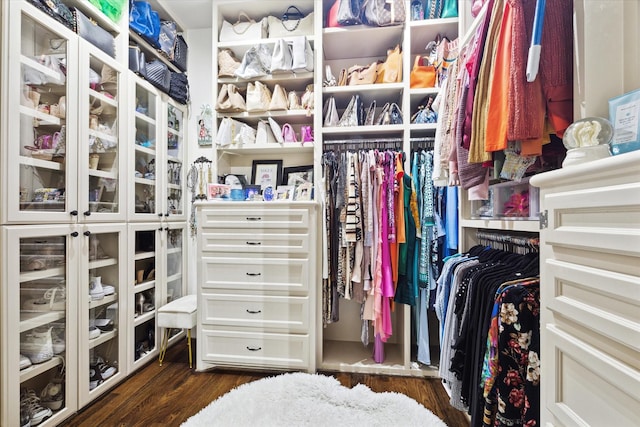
(255, 349)
(255, 274)
(253, 217)
(284, 313)
(253, 241)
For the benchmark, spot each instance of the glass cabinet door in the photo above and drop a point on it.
(175, 161)
(44, 122)
(145, 150)
(175, 261)
(100, 150)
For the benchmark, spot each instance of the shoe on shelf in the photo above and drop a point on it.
(99, 371)
(104, 325)
(37, 345)
(95, 288)
(54, 299)
(37, 412)
(52, 396)
(95, 249)
(25, 362)
(108, 290)
(58, 339)
(25, 419)
(94, 332)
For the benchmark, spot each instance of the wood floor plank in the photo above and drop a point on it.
(168, 395)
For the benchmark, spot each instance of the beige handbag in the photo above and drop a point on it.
(248, 29)
(264, 134)
(227, 63)
(293, 101)
(258, 97)
(279, 99)
(362, 75)
(230, 100)
(308, 99)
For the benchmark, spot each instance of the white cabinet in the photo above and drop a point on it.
(590, 293)
(257, 285)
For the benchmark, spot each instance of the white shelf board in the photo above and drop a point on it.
(39, 163)
(31, 320)
(360, 41)
(289, 148)
(37, 369)
(526, 224)
(102, 338)
(32, 63)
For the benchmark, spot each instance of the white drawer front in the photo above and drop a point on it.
(255, 349)
(253, 241)
(255, 274)
(254, 218)
(286, 314)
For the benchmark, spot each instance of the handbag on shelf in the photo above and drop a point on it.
(246, 135)
(264, 134)
(307, 100)
(434, 9)
(230, 100)
(425, 113)
(382, 13)
(227, 63)
(362, 75)
(302, 55)
(158, 74)
(144, 21)
(258, 97)
(137, 62)
(248, 29)
(395, 114)
(390, 71)
(342, 77)
(55, 9)
(282, 58)
(384, 118)
(276, 129)
(291, 23)
(371, 113)
(93, 33)
(349, 12)
(179, 87)
(288, 134)
(278, 99)
(227, 131)
(417, 10)
(306, 134)
(167, 38)
(350, 116)
(332, 15)
(449, 9)
(256, 62)
(293, 101)
(330, 113)
(181, 53)
(422, 75)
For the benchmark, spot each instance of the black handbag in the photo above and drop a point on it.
(158, 74)
(349, 12)
(137, 62)
(179, 87)
(180, 53)
(93, 33)
(55, 9)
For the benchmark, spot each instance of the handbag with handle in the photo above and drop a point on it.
(362, 75)
(422, 76)
(256, 62)
(449, 9)
(371, 113)
(384, 118)
(180, 53)
(395, 114)
(230, 100)
(390, 71)
(350, 115)
(278, 99)
(288, 134)
(382, 13)
(167, 38)
(247, 29)
(282, 58)
(158, 74)
(179, 87)
(330, 113)
(293, 101)
(93, 33)
(349, 12)
(302, 55)
(425, 113)
(245, 136)
(227, 63)
(145, 21)
(227, 131)
(264, 134)
(258, 97)
(291, 23)
(308, 102)
(137, 62)
(276, 129)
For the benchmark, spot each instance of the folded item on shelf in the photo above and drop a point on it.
(158, 74)
(93, 33)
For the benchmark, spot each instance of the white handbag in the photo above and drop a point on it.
(331, 113)
(256, 62)
(282, 59)
(243, 30)
(245, 136)
(302, 55)
(290, 27)
(258, 97)
(264, 134)
(227, 131)
(276, 129)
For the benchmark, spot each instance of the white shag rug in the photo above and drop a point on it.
(301, 399)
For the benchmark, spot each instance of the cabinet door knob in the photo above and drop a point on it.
(254, 311)
(75, 234)
(160, 214)
(254, 218)
(167, 214)
(73, 213)
(87, 233)
(254, 274)
(254, 348)
(254, 243)
(86, 213)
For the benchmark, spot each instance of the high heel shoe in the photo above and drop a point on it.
(140, 304)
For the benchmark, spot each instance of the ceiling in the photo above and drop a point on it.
(189, 14)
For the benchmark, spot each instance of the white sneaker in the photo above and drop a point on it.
(37, 345)
(108, 290)
(37, 413)
(25, 362)
(54, 299)
(52, 396)
(94, 332)
(95, 288)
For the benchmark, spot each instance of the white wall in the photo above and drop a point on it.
(200, 86)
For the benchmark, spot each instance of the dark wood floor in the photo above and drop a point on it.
(169, 394)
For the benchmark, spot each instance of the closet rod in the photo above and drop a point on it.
(381, 140)
(474, 26)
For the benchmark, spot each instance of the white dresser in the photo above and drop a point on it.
(256, 285)
(590, 293)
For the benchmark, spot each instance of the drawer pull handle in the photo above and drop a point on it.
(254, 274)
(254, 218)
(254, 348)
(254, 311)
(254, 243)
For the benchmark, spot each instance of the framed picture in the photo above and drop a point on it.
(266, 172)
(297, 175)
(285, 192)
(205, 126)
(218, 191)
(303, 192)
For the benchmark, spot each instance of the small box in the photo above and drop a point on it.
(510, 199)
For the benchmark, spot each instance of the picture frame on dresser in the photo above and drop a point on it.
(297, 175)
(266, 172)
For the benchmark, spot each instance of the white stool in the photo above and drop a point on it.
(178, 314)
